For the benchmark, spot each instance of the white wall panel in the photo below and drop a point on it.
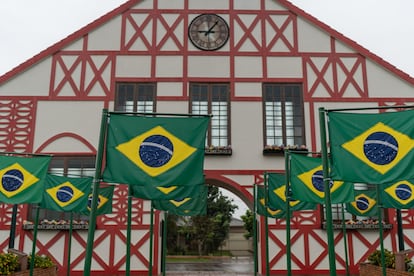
(311, 38)
(211, 4)
(169, 89)
(107, 37)
(172, 107)
(246, 4)
(133, 66)
(55, 117)
(169, 66)
(33, 82)
(248, 67)
(284, 67)
(77, 45)
(248, 89)
(209, 66)
(383, 84)
(273, 5)
(171, 4)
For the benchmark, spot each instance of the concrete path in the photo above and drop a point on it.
(242, 266)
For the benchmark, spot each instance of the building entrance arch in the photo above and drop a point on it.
(240, 264)
(240, 191)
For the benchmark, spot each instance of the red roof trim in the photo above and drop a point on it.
(67, 40)
(337, 35)
(294, 9)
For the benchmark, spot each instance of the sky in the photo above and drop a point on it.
(383, 27)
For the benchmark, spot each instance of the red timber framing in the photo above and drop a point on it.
(85, 75)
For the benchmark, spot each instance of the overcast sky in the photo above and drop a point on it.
(384, 27)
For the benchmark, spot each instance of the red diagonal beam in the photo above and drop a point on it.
(247, 33)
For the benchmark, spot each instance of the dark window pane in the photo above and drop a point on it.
(135, 97)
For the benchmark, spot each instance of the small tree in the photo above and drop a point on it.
(205, 234)
(247, 219)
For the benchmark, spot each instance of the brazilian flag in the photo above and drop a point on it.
(195, 205)
(165, 193)
(66, 194)
(155, 151)
(263, 207)
(105, 195)
(23, 178)
(307, 183)
(372, 148)
(399, 195)
(364, 204)
(277, 194)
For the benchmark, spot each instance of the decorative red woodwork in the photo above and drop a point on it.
(16, 124)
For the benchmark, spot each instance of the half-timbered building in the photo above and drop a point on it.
(263, 68)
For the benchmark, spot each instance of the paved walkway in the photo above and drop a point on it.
(242, 266)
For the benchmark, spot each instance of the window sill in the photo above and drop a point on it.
(281, 152)
(359, 226)
(225, 151)
(65, 226)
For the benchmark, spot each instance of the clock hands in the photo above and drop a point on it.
(210, 30)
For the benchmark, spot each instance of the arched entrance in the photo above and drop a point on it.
(235, 264)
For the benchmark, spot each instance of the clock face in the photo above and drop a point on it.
(208, 32)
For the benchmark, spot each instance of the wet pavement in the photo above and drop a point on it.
(226, 266)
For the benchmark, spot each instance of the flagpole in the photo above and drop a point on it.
(13, 226)
(379, 206)
(287, 195)
(128, 234)
(328, 205)
(151, 239)
(164, 243)
(97, 179)
(266, 227)
(36, 223)
(345, 240)
(254, 229)
(400, 231)
(69, 242)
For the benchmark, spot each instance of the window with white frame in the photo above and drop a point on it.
(213, 99)
(135, 97)
(283, 115)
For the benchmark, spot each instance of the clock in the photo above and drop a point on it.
(208, 32)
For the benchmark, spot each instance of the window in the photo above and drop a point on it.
(135, 97)
(73, 166)
(213, 98)
(283, 115)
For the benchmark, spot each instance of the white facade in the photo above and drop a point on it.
(57, 98)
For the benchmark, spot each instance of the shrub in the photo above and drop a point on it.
(375, 259)
(41, 261)
(8, 263)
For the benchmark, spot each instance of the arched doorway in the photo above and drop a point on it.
(240, 260)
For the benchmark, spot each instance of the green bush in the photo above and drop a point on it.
(41, 261)
(8, 263)
(375, 259)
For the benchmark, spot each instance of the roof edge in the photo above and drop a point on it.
(296, 10)
(68, 39)
(353, 44)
